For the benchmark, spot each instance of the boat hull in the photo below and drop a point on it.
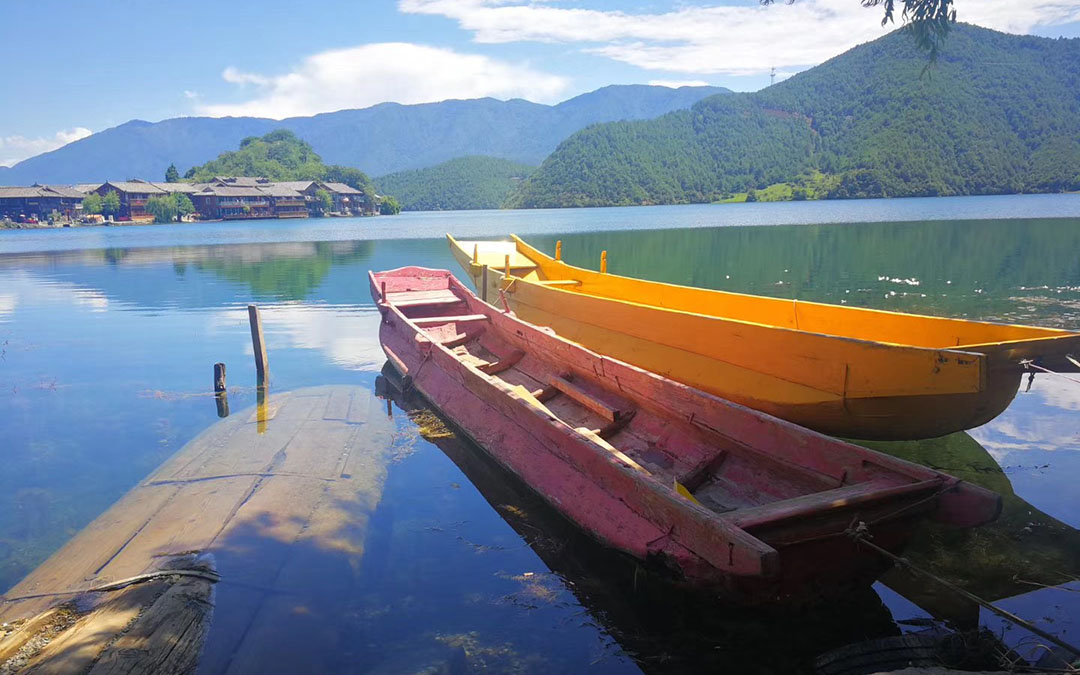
(858, 384)
(774, 551)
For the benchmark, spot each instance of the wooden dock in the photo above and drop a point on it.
(275, 500)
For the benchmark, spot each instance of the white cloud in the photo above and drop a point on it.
(734, 39)
(191, 95)
(675, 84)
(14, 149)
(394, 71)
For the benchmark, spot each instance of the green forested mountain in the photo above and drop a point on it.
(997, 113)
(279, 156)
(462, 183)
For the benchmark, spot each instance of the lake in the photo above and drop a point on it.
(108, 337)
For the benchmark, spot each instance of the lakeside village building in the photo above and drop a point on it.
(224, 198)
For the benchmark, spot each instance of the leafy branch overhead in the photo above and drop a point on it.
(929, 21)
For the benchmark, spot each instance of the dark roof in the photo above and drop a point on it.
(231, 191)
(279, 190)
(64, 191)
(299, 185)
(342, 188)
(14, 192)
(186, 188)
(241, 181)
(37, 191)
(139, 186)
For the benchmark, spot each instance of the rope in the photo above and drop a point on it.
(1028, 363)
(861, 534)
(912, 505)
(212, 577)
(409, 378)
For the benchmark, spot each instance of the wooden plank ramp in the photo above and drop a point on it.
(276, 509)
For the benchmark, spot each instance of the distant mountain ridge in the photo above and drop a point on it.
(996, 113)
(382, 139)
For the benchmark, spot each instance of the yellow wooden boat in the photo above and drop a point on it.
(846, 371)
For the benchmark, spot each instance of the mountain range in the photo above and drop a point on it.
(996, 113)
(382, 139)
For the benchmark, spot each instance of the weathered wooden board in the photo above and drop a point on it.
(277, 500)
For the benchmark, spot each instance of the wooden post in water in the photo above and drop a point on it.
(261, 411)
(603, 262)
(558, 250)
(258, 342)
(219, 378)
(484, 284)
(221, 396)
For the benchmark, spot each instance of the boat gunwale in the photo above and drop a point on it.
(530, 251)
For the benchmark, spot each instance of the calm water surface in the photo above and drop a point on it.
(108, 335)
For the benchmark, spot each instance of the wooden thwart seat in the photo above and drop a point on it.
(462, 318)
(821, 502)
(461, 339)
(505, 363)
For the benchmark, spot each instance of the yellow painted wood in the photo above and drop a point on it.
(848, 371)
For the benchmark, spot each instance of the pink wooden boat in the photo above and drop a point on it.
(714, 492)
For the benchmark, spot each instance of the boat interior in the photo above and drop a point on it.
(719, 472)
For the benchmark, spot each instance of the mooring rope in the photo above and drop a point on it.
(1028, 363)
(861, 534)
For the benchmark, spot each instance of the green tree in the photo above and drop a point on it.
(184, 205)
(172, 175)
(91, 204)
(323, 201)
(389, 206)
(110, 203)
(162, 208)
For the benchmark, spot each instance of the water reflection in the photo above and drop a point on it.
(1019, 271)
(663, 627)
(1024, 548)
(105, 371)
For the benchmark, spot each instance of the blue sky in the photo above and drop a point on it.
(75, 67)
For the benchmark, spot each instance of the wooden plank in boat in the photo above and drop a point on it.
(423, 298)
(462, 318)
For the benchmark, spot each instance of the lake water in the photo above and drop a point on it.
(108, 337)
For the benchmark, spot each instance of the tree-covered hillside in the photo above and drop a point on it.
(996, 113)
(279, 156)
(460, 184)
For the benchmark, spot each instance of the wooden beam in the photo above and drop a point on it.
(621, 420)
(503, 364)
(461, 318)
(584, 398)
(462, 339)
(258, 342)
